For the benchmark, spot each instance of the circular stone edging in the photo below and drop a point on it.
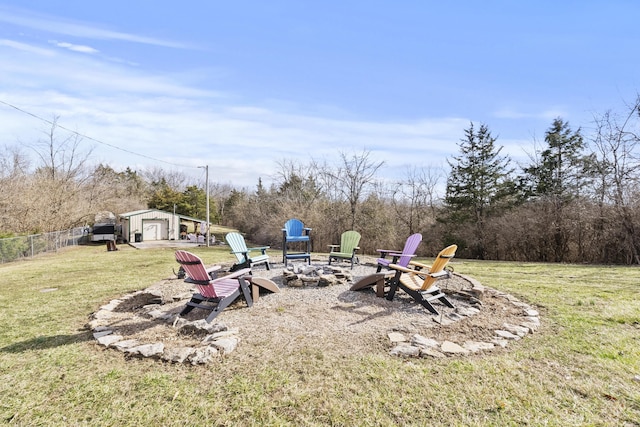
(419, 346)
(219, 340)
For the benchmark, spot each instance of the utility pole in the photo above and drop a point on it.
(208, 222)
(206, 168)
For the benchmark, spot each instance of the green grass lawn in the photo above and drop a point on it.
(580, 368)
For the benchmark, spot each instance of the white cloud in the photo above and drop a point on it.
(85, 74)
(24, 47)
(91, 30)
(180, 123)
(240, 146)
(74, 47)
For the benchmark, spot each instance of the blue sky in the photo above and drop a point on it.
(243, 85)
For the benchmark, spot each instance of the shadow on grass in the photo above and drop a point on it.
(43, 342)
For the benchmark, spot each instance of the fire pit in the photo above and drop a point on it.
(298, 276)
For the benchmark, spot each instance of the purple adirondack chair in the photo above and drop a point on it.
(399, 258)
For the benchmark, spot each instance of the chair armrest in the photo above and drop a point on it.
(235, 274)
(262, 249)
(441, 274)
(240, 252)
(385, 252)
(213, 271)
(401, 268)
(420, 265)
(334, 246)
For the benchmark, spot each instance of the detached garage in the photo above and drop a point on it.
(152, 224)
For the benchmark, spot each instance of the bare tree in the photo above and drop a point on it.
(356, 172)
(174, 179)
(298, 182)
(117, 192)
(61, 159)
(55, 196)
(414, 197)
(296, 191)
(220, 193)
(617, 140)
(14, 179)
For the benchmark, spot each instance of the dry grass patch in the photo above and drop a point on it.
(578, 370)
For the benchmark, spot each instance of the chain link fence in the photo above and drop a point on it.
(15, 248)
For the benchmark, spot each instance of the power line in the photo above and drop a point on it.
(90, 138)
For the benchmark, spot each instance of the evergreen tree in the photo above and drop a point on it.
(560, 170)
(164, 198)
(194, 202)
(478, 187)
(553, 182)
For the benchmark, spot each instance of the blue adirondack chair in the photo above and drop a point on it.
(296, 233)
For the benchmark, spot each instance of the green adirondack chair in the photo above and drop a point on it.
(347, 248)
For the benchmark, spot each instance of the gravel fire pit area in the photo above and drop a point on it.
(314, 312)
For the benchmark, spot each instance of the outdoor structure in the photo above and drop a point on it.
(103, 232)
(154, 224)
(104, 227)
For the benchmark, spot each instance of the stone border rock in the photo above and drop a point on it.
(217, 340)
(419, 346)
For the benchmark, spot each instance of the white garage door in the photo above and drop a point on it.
(154, 229)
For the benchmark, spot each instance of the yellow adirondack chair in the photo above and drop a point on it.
(420, 281)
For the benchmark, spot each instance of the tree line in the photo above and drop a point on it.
(575, 199)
